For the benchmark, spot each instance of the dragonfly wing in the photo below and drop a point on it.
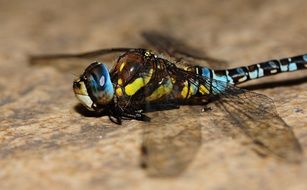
(255, 114)
(180, 51)
(173, 136)
(171, 141)
(75, 62)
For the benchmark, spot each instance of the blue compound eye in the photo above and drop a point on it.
(99, 84)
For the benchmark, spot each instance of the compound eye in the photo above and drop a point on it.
(99, 84)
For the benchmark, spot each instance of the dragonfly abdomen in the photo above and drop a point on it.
(259, 70)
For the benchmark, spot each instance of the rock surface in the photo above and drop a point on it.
(47, 144)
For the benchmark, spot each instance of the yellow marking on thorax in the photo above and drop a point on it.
(203, 90)
(120, 81)
(119, 91)
(162, 90)
(137, 84)
(173, 80)
(147, 53)
(187, 68)
(122, 66)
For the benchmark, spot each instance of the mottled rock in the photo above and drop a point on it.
(47, 144)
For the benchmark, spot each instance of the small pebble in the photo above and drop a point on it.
(298, 110)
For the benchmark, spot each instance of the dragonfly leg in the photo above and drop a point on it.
(115, 119)
(136, 115)
(118, 113)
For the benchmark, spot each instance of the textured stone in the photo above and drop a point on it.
(47, 144)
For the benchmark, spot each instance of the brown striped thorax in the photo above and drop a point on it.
(138, 75)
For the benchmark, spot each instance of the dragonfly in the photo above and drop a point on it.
(144, 81)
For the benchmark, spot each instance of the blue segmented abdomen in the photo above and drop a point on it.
(243, 74)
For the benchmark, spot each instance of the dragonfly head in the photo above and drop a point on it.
(94, 88)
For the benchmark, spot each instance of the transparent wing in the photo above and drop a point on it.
(75, 62)
(255, 115)
(173, 136)
(180, 51)
(171, 141)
